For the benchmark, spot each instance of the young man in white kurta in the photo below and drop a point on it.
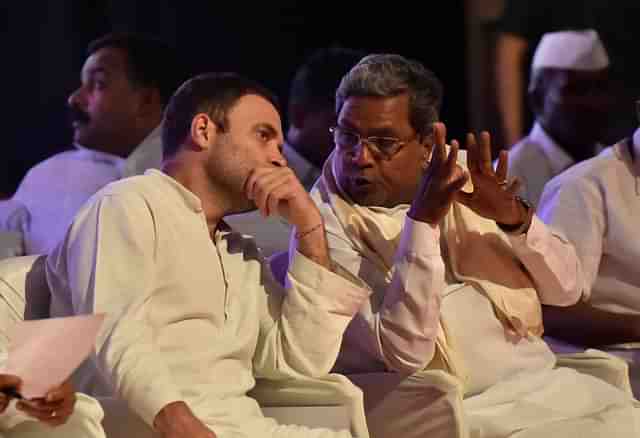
(193, 313)
(596, 204)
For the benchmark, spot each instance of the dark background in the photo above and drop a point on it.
(44, 41)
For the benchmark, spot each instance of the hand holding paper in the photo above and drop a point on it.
(45, 352)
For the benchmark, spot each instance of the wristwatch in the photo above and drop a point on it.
(524, 226)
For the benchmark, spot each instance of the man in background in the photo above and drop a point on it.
(569, 95)
(116, 114)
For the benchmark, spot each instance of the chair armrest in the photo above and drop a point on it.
(310, 401)
(599, 364)
(426, 403)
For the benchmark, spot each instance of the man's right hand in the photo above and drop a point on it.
(176, 420)
(8, 381)
(440, 182)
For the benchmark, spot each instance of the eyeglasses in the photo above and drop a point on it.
(381, 147)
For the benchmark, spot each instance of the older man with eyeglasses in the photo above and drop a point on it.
(458, 265)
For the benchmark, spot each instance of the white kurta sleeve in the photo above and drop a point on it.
(552, 262)
(301, 329)
(402, 330)
(576, 208)
(110, 258)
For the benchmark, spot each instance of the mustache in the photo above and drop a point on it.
(75, 114)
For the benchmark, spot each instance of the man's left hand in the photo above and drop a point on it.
(493, 197)
(55, 408)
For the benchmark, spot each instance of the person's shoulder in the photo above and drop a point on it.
(597, 168)
(524, 151)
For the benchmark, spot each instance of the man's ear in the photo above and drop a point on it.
(203, 131)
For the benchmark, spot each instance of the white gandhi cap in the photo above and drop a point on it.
(571, 50)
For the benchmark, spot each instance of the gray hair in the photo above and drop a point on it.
(389, 75)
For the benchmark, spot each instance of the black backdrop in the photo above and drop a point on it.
(44, 41)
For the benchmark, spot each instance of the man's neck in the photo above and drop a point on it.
(194, 179)
(578, 150)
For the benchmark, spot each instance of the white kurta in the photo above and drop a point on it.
(513, 387)
(191, 317)
(54, 190)
(535, 160)
(597, 205)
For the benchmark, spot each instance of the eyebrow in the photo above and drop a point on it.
(94, 71)
(375, 132)
(268, 127)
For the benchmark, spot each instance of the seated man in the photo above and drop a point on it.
(596, 204)
(308, 141)
(193, 312)
(61, 413)
(458, 266)
(569, 97)
(116, 114)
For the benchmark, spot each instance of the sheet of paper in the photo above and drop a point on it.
(45, 352)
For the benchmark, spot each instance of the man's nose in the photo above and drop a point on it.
(361, 155)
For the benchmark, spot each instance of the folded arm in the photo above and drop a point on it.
(401, 330)
(301, 329)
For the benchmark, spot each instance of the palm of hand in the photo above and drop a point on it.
(493, 197)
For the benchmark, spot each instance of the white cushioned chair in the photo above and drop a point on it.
(330, 402)
(14, 219)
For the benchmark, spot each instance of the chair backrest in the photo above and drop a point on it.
(279, 263)
(11, 244)
(22, 281)
(14, 221)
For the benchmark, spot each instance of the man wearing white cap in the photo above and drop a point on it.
(569, 96)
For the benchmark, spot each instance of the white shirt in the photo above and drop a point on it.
(596, 204)
(54, 190)
(306, 171)
(190, 316)
(535, 160)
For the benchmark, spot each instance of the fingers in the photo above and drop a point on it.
(485, 153)
(472, 153)
(514, 186)
(53, 414)
(4, 402)
(502, 167)
(439, 133)
(8, 381)
(452, 159)
(270, 187)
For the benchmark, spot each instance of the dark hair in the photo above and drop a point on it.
(389, 75)
(210, 93)
(316, 80)
(150, 61)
